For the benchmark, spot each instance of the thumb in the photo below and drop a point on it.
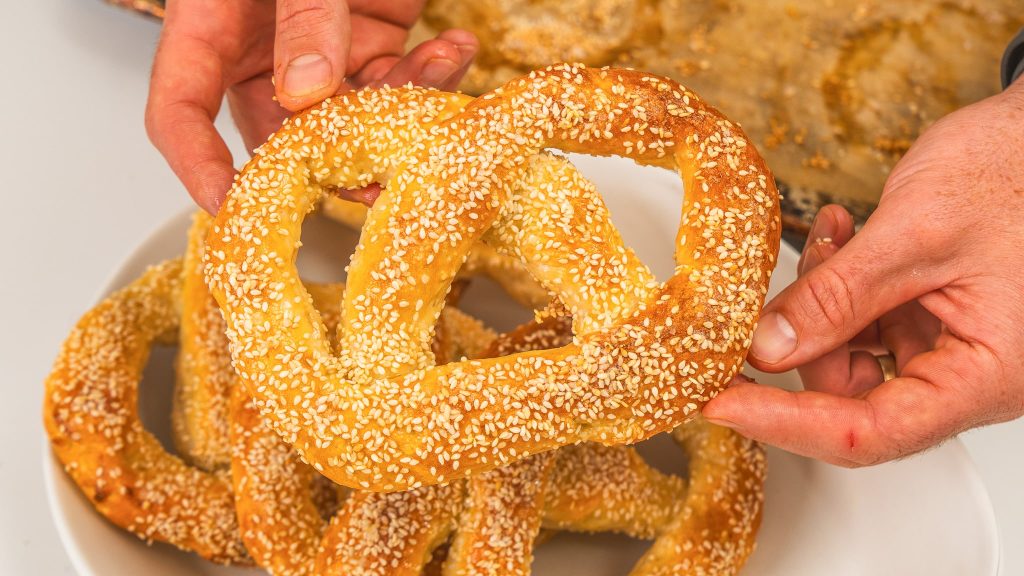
(874, 273)
(310, 50)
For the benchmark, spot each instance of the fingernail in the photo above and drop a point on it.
(467, 51)
(212, 206)
(436, 71)
(306, 74)
(814, 254)
(824, 226)
(774, 339)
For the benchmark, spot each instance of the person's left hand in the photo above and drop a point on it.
(300, 51)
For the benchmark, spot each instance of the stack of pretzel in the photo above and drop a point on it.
(374, 428)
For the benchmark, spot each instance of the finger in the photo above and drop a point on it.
(401, 14)
(875, 272)
(365, 195)
(310, 50)
(898, 418)
(840, 371)
(374, 39)
(435, 63)
(184, 98)
(907, 331)
(832, 224)
(833, 228)
(254, 110)
(428, 64)
(867, 339)
(468, 46)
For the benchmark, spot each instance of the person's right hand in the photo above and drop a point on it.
(307, 49)
(936, 276)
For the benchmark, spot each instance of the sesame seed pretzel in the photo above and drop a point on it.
(203, 373)
(646, 356)
(91, 416)
(283, 527)
(707, 525)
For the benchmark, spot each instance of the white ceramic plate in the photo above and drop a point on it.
(926, 515)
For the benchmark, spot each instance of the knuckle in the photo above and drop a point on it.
(304, 19)
(162, 120)
(829, 296)
(154, 123)
(872, 441)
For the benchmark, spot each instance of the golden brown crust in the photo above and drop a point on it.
(715, 532)
(372, 534)
(503, 512)
(496, 517)
(203, 373)
(611, 489)
(389, 534)
(204, 377)
(276, 497)
(91, 416)
(279, 520)
(649, 355)
(459, 336)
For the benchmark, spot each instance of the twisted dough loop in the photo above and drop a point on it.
(483, 260)
(646, 355)
(91, 416)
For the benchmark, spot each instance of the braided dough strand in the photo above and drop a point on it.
(483, 260)
(203, 373)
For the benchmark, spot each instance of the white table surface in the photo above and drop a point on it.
(81, 186)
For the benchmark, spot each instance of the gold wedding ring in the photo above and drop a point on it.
(887, 363)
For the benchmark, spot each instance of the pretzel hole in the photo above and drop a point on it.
(326, 248)
(485, 300)
(664, 455)
(156, 394)
(645, 203)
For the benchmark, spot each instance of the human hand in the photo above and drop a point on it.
(307, 49)
(936, 276)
